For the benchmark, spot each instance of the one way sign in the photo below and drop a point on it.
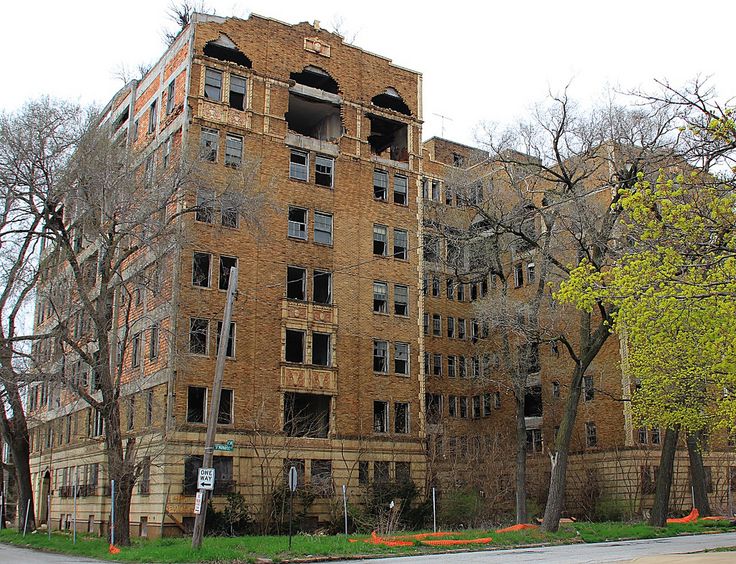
(206, 479)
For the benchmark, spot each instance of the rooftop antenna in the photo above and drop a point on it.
(443, 118)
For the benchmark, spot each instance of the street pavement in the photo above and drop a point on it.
(655, 551)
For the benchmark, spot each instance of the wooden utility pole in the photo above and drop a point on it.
(209, 443)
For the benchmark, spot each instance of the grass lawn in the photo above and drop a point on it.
(244, 549)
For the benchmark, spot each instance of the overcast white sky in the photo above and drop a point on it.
(480, 60)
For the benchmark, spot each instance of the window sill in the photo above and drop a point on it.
(382, 313)
(328, 245)
(299, 239)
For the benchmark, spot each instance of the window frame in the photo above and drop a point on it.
(401, 291)
(291, 282)
(405, 193)
(170, 93)
(328, 336)
(402, 350)
(209, 144)
(210, 73)
(319, 215)
(380, 185)
(196, 269)
(231, 339)
(401, 252)
(299, 171)
(233, 159)
(380, 290)
(377, 228)
(399, 407)
(328, 162)
(302, 227)
(233, 78)
(206, 335)
(379, 346)
(204, 404)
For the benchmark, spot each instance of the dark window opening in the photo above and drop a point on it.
(225, 413)
(298, 223)
(230, 348)
(236, 97)
(380, 416)
(534, 440)
(306, 415)
(323, 170)
(225, 50)
(380, 185)
(121, 119)
(322, 477)
(196, 398)
(391, 100)
(213, 84)
(388, 139)
(296, 283)
(223, 466)
(401, 417)
(226, 263)
(380, 471)
(294, 346)
(363, 472)
(533, 405)
(434, 408)
(588, 388)
(198, 331)
(315, 77)
(201, 269)
(322, 283)
(321, 349)
(314, 118)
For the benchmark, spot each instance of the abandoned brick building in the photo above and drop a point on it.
(341, 314)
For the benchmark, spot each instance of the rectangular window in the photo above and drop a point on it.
(380, 239)
(226, 263)
(135, 351)
(380, 356)
(380, 417)
(461, 328)
(530, 273)
(518, 276)
(436, 365)
(294, 346)
(208, 142)
(434, 408)
(166, 152)
(655, 436)
(451, 366)
(425, 323)
(463, 410)
(380, 297)
(230, 349)
(497, 400)
(452, 406)
(198, 335)
(450, 327)
(401, 417)
(153, 345)
(170, 97)
(296, 283)
(448, 195)
(225, 413)
(233, 151)
(237, 92)
(401, 358)
(152, 117)
(462, 370)
(643, 436)
(149, 408)
(323, 171)
(486, 404)
(131, 413)
(205, 210)
(534, 440)
(435, 190)
(401, 244)
(431, 249)
(401, 190)
(299, 165)
(298, 223)
(380, 185)
(322, 287)
(450, 289)
(363, 473)
(591, 437)
(321, 352)
(380, 471)
(213, 84)
(323, 228)
(555, 389)
(306, 415)
(476, 407)
(461, 292)
(436, 325)
(435, 287)
(403, 472)
(588, 388)
(201, 269)
(98, 425)
(401, 300)
(321, 478)
(196, 404)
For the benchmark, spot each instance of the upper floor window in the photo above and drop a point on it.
(205, 209)
(401, 300)
(213, 84)
(237, 92)
(380, 239)
(298, 223)
(401, 358)
(591, 436)
(323, 171)
(401, 190)
(208, 142)
(380, 356)
(296, 283)
(380, 185)
(233, 151)
(323, 228)
(299, 165)
(322, 287)
(152, 117)
(380, 297)
(401, 244)
(170, 97)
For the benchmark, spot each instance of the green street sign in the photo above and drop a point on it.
(228, 446)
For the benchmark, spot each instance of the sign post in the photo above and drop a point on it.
(434, 511)
(76, 481)
(345, 507)
(293, 477)
(112, 514)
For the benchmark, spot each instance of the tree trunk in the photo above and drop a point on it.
(658, 517)
(521, 513)
(121, 467)
(697, 473)
(558, 477)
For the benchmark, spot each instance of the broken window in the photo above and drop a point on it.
(450, 327)
(391, 100)
(388, 138)
(322, 476)
(451, 366)
(296, 283)
(233, 151)
(201, 269)
(534, 440)
(436, 325)
(401, 358)
(363, 472)
(588, 388)
(315, 77)
(401, 244)
(196, 404)
(380, 356)
(380, 471)
(225, 413)
(153, 341)
(236, 98)
(314, 114)
(533, 406)
(152, 117)
(298, 223)
(434, 408)
(463, 407)
(224, 49)
(380, 297)
(306, 415)
(322, 287)
(321, 349)
(229, 212)
(170, 97)
(431, 248)
(476, 407)
(213, 84)
(518, 276)
(380, 417)
(436, 365)
(380, 239)
(401, 300)
(401, 417)
(591, 436)
(198, 333)
(380, 185)
(294, 346)
(226, 263)
(208, 142)
(323, 228)
(401, 190)
(166, 152)
(205, 209)
(230, 349)
(299, 165)
(452, 406)
(486, 404)
(323, 168)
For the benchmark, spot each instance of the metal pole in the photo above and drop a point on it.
(48, 515)
(291, 513)
(28, 509)
(112, 514)
(76, 481)
(2, 513)
(345, 506)
(434, 511)
(730, 493)
(209, 443)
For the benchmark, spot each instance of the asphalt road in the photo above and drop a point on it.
(571, 554)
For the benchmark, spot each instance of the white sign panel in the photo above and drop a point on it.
(292, 478)
(206, 479)
(198, 503)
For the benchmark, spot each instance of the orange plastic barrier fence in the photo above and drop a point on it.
(692, 516)
(714, 518)
(454, 542)
(519, 527)
(113, 549)
(410, 540)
